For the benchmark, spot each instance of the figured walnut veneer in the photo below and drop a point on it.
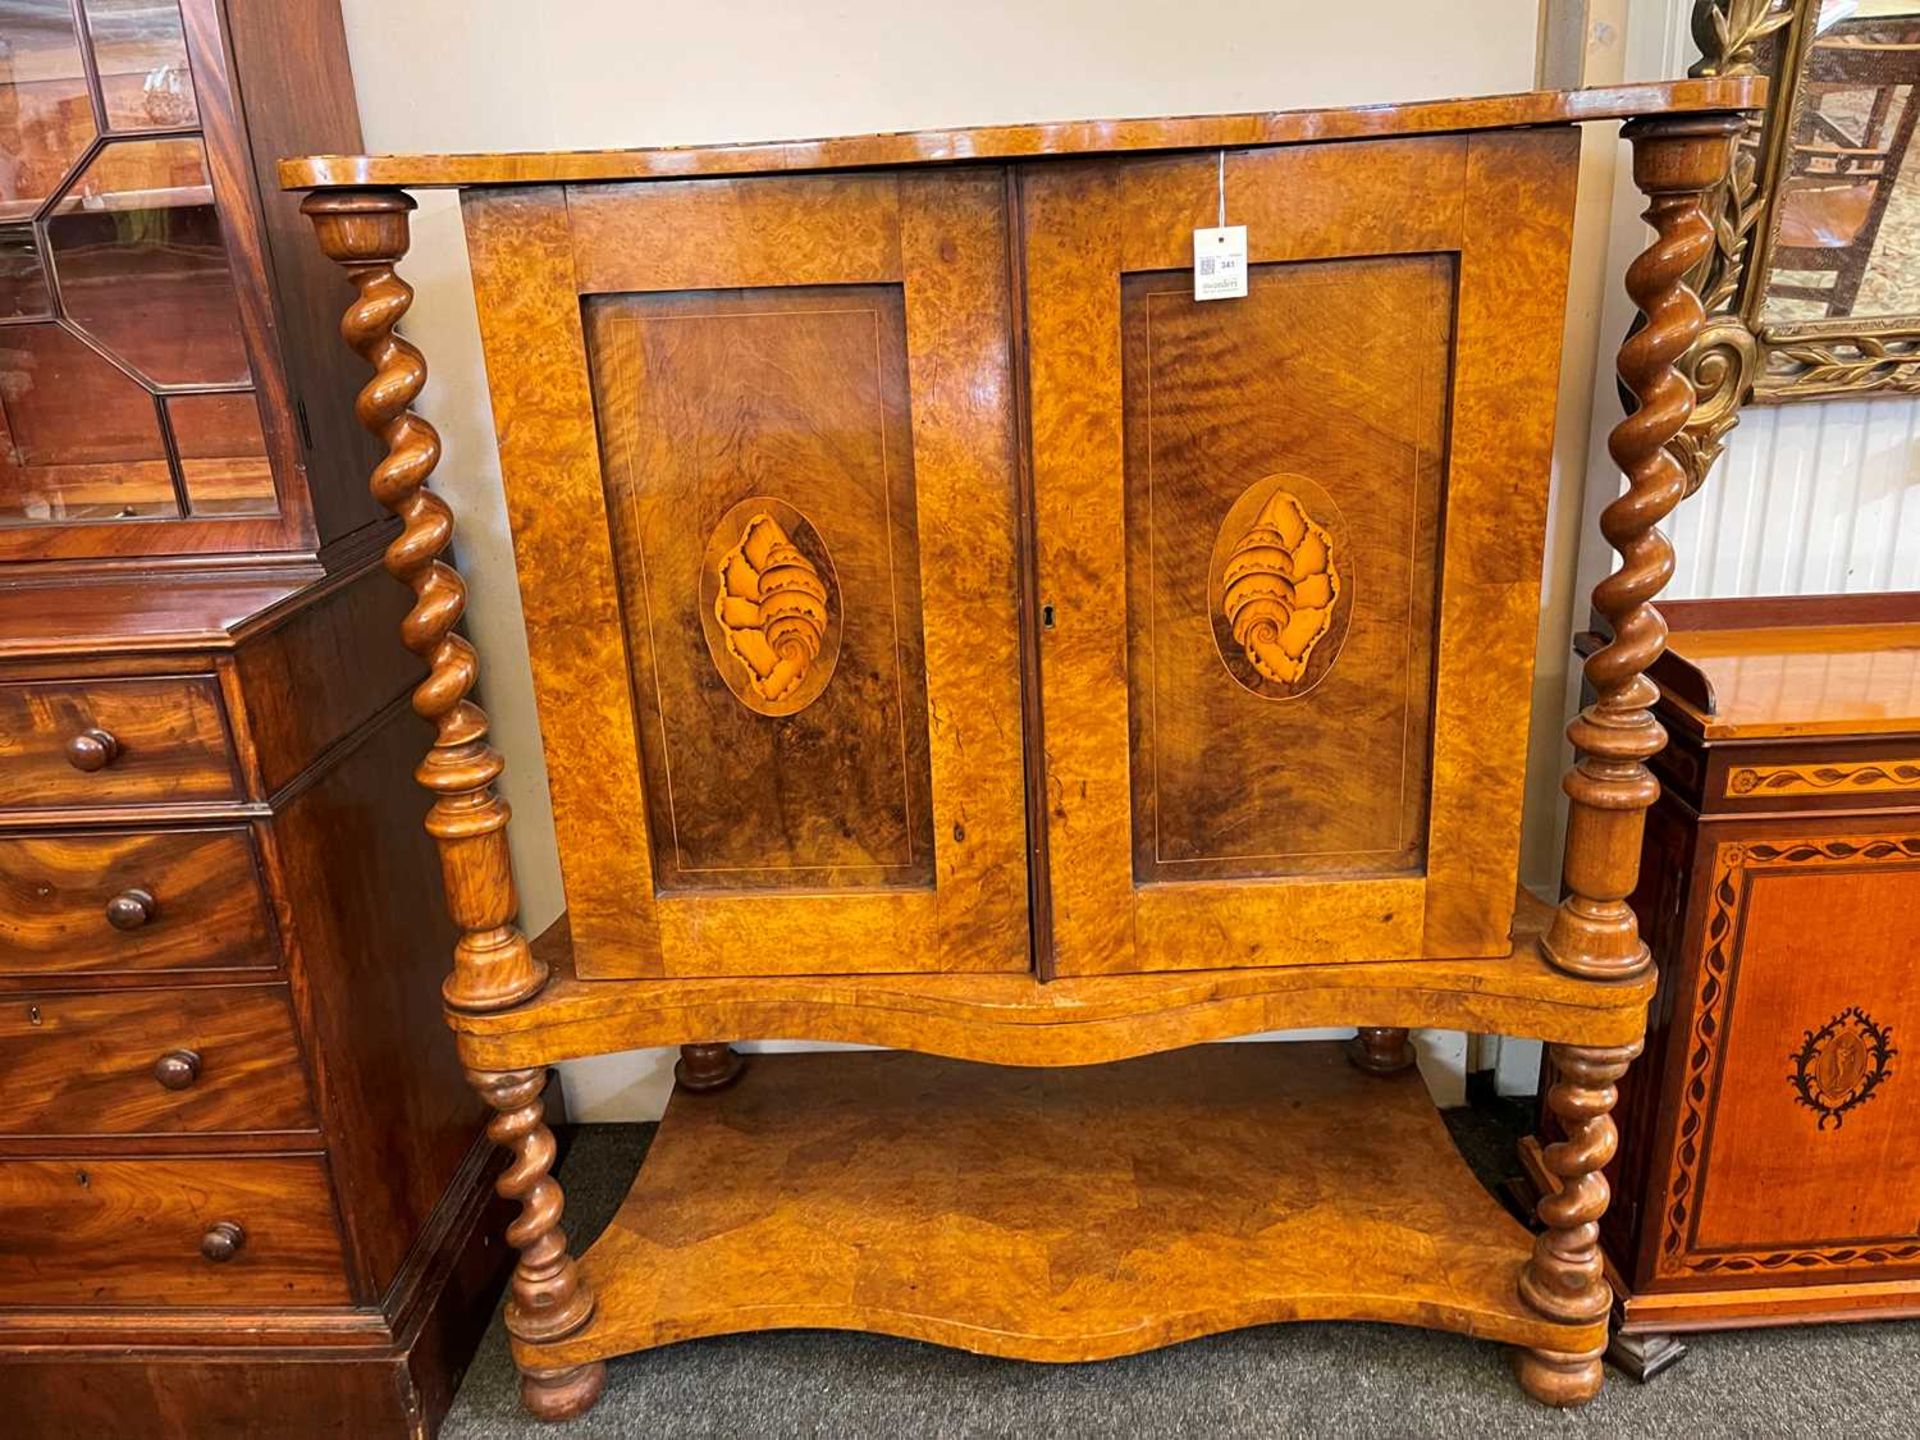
(1207, 132)
(1055, 1215)
(1017, 1020)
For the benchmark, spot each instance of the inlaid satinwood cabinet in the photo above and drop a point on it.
(1766, 1173)
(238, 1193)
(953, 635)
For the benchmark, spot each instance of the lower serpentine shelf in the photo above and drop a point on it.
(1055, 1214)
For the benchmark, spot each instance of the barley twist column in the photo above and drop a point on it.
(1594, 934)
(546, 1299)
(1565, 1279)
(365, 232)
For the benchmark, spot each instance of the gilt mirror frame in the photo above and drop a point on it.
(1743, 355)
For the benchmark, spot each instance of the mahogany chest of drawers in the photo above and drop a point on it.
(236, 1187)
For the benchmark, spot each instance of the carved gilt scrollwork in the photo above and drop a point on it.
(1724, 362)
(1278, 576)
(768, 607)
(1720, 365)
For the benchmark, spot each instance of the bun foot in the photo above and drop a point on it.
(1381, 1050)
(562, 1394)
(704, 1068)
(1560, 1378)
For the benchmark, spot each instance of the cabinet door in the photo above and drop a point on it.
(1785, 1153)
(1289, 545)
(759, 453)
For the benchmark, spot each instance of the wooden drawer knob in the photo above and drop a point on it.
(130, 909)
(177, 1069)
(92, 750)
(221, 1243)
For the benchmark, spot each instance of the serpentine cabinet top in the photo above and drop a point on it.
(1008, 142)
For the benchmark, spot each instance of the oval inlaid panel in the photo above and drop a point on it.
(1282, 584)
(770, 607)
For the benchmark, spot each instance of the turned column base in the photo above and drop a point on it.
(1560, 1378)
(562, 1394)
(706, 1068)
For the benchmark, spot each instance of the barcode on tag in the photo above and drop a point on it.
(1220, 263)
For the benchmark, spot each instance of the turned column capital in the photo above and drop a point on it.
(361, 227)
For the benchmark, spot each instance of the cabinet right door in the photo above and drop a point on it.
(1289, 544)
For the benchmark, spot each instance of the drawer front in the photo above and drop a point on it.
(114, 742)
(152, 1062)
(132, 901)
(248, 1233)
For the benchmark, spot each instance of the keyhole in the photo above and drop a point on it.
(33, 1014)
(1046, 616)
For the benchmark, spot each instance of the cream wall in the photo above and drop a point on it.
(486, 74)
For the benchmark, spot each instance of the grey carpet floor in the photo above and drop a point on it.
(1280, 1380)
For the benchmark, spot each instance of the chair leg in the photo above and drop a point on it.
(546, 1299)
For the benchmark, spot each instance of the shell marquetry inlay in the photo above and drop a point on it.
(1280, 585)
(770, 624)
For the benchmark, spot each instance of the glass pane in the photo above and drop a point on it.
(136, 250)
(46, 119)
(23, 286)
(223, 453)
(141, 53)
(78, 439)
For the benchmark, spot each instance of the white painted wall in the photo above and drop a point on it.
(489, 74)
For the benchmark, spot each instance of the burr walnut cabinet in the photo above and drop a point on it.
(1766, 1174)
(951, 635)
(237, 1194)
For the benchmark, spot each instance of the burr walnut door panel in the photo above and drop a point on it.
(758, 438)
(1791, 1110)
(1290, 545)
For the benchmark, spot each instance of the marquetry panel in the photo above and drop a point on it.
(758, 454)
(1290, 545)
(758, 438)
(1798, 1010)
(1283, 554)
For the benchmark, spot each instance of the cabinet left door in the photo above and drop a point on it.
(759, 450)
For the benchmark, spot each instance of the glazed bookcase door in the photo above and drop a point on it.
(758, 441)
(1290, 545)
(141, 410)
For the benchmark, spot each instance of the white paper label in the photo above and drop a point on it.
(1220, 263)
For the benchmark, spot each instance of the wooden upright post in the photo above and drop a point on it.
(365, 232)
(1594, 934)
(1676, 162)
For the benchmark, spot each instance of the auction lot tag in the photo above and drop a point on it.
(1220, 263)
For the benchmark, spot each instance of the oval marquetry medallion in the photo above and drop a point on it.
(1281, 585)
(1839, 1066)
(770, 606)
